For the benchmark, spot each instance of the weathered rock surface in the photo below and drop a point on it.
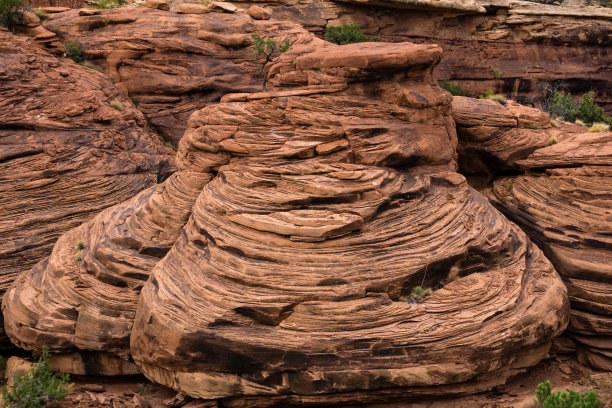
(528, 42)
(282, 256)
(65, 152)
(172, 64)
(294, 272)
(563, 202)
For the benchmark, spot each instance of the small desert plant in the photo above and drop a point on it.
(39, 388)
(562, 399)
(11, 13)
(117, 105)
(493, 96)
(41, 14)
(78, 256)
(571, 109)
(418, 293)
(270, 49)
(454, 90)
(347, 34)
(509, 185)
(497, 72)
(553, 140)
(599, 127)
(170, 145)
(74, 51)
(80, 244)
(91, 65)
(108, 4)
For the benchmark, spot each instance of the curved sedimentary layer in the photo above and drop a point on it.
(83, 297)
(566, 208)
(296, 278)
(66, 152)
(287, 251)
(174, 64)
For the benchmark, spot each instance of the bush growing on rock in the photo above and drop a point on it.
(562, 399)
(11, 13)
(270, 49)
(347, 34)
(39, 388)
(584, 110)
(74, 52)
(454, 90)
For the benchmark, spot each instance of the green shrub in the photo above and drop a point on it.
(41, 14)
(584, 111)
(108, 4)
(454, 90)
(493, 96)
(117, 105)
(497, 72)
(74, 51)
(78, 256)
(562, 399)
(11, 13)
(347, 34)
(80, 244)
(270, 49)
(39, 388)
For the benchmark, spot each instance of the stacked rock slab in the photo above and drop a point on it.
(298, 226)
(563, 202)
(294, 273)
(172, 64)
(65, 152)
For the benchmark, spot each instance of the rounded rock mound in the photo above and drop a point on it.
(325, 250)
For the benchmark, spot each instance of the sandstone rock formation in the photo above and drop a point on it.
(282, 260)
(172, 64)
(529, 43)
(562, 201)
(65, 152)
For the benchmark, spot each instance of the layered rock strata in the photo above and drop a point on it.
(296, 272)
(555, 183)
(283, 258)
(563, 202)
(171, 64)
(65, 152)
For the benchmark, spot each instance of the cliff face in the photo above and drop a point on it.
(316, 244)
(65, 152)
(514, 48)
(527, 42)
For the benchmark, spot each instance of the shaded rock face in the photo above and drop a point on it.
(172, 64)
(562, 201)
(279, 261)
(65, 152)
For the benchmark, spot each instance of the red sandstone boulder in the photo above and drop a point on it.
(563, 202)
(282, 260)
(66, 152)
